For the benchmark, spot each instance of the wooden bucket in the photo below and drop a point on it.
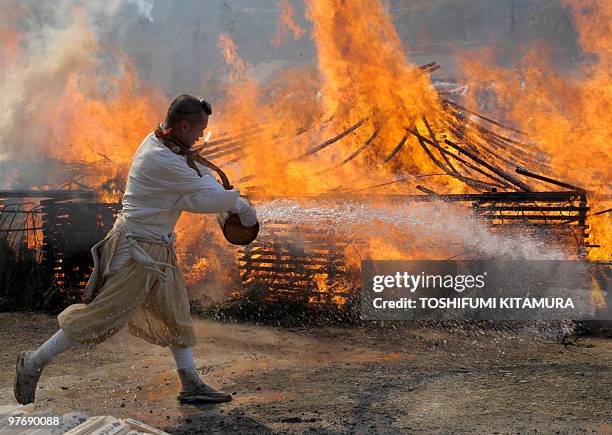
(234, 231)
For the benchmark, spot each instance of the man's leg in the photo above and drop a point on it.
(121, 294)
(193, 389)
(30, 365)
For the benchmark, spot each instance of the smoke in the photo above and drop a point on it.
(51, 52)
(111, 8)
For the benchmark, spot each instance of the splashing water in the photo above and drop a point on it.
(425, 228)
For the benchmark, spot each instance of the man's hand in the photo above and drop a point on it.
(246, 212)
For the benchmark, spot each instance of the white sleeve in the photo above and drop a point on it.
(213, 201)
(198, 194)
(193, 193)
(206, 195)
(211, 197)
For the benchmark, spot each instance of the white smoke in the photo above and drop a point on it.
(58, 46)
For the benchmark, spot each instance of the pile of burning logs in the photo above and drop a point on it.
(298, 264)
(304, 265)
(70, 230)
(58, 227)
(487, 156)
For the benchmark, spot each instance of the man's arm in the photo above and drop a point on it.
(169, 172)
(218, 200)
(208, 201)
(205, 195)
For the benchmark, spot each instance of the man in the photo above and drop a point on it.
(136, 280)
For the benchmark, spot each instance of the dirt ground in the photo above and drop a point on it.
(332, 380)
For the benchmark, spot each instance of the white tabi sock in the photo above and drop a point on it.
(186, 368)
(183, 357)
(55, 345)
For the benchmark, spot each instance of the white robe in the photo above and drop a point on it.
(161, 186)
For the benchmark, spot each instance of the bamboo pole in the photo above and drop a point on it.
(360, 149)
(396, 149)
(424, 140)
(433, 138)
(52, 194)
(525, 172)
(499, 124)
(503, 174)
(329, 142)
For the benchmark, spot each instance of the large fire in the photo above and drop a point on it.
(568, 116)
(364, 79)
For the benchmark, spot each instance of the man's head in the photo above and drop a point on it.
(188, 117)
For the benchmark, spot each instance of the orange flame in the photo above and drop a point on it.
(363, 77)
(567, 115)
(286, 21)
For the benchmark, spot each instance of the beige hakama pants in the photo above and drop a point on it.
(154, 307)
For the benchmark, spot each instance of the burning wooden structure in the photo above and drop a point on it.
(485, 155)
(298, 264)
(305, 265)
(57, 228)
(70, 230)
